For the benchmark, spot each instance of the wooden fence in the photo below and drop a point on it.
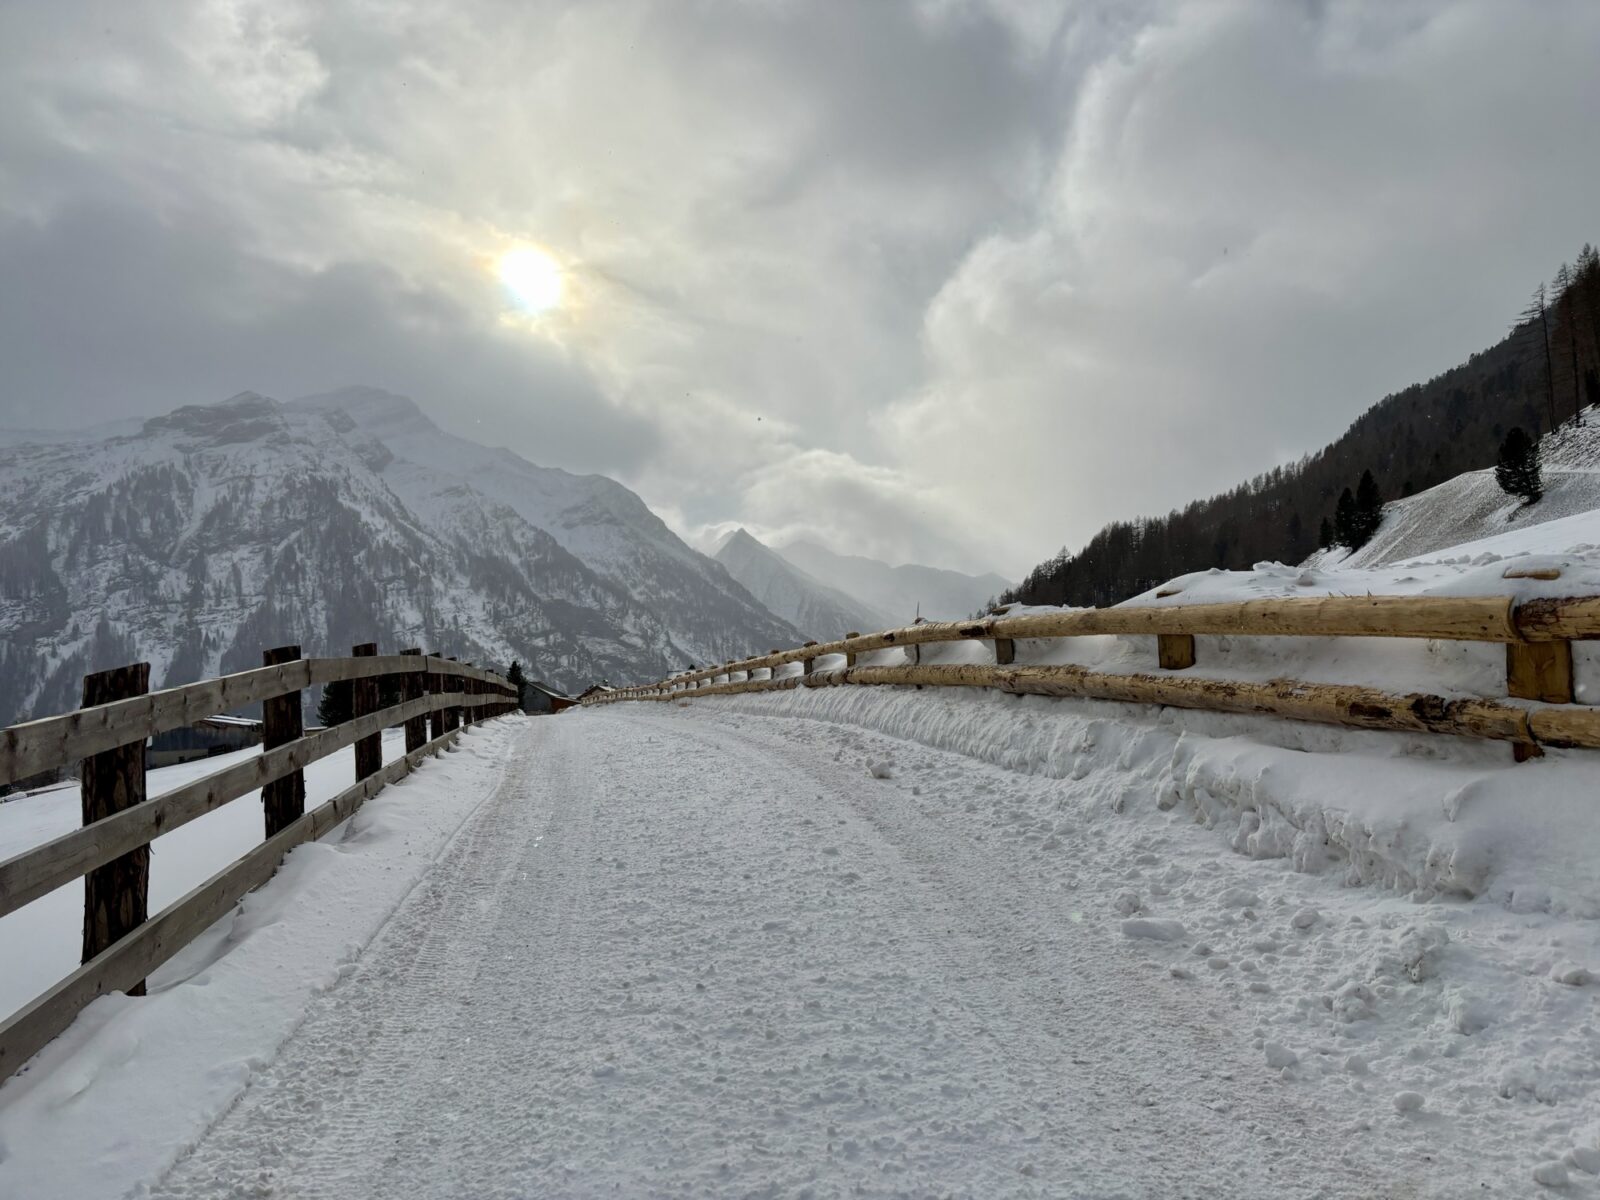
(1537, 634)
(111, 852)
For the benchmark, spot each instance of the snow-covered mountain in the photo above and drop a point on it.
(808, 604)
(204, 536)
(902, 592)
(1471, 506)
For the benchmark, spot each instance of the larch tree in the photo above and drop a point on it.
(1536, 317)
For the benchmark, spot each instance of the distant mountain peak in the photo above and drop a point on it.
(737, 537)
(373, 409)
(808, 603)
(242, 417)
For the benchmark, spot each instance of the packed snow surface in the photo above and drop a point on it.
(110, 1104)
(877, 941)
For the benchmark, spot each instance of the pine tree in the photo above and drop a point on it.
(1517, 469)
(336, 705)
(518, 680)
(1344, 521)
(1325, 534)
(1369, 508)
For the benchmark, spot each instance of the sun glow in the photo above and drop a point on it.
(532, 277)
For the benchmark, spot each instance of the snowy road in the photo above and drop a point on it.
(673, 956)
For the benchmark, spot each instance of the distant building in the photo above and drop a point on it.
(213, 735)
(542, 698)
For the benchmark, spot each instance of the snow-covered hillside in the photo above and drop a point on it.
(900, 593)
(808, 604)
(216, 531)
(1472, 506)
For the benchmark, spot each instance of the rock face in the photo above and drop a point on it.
(811, 606)
(204, 536)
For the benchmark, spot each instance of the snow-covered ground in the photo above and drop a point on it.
(134, 1082)
(878, 941)
(870, 940)
(1365, 922)
(40, 942)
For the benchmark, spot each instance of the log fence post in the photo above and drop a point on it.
(1005, 651)
(116, 896)
(807, 665)
(363, 702)
(1175, 651)
(283, 801)
(850, 657)
(1538, 671)
(412, 686)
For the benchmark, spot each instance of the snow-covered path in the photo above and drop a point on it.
(673, 956)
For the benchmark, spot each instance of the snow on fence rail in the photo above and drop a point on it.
(111, 851)
(1538, 636)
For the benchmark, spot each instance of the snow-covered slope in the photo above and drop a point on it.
(217, 531)
(808, 604)
(901, 593)
(1472, 506)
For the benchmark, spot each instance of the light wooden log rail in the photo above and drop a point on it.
(105, 734)
(1537, 635)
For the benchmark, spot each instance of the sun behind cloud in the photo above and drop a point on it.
(532, 277)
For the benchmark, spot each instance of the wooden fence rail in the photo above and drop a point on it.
(111, 851)
(1537, 634)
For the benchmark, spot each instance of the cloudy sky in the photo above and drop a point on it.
(949, 281)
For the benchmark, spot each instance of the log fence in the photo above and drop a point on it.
(111, 851)
(1538, 635)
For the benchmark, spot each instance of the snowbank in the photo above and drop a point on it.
(1408, 923)
(1403, 813)
(77, 1121)
(39, 943)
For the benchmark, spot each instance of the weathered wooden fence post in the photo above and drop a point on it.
(1538, 671)
(1175, 651)
(806, 664)
(434, 684)
(849, 657)
(457, 684)
(116, 897)
(363, 702)
(411, 688)
(283, 801)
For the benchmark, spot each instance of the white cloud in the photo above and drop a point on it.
(948, 280)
